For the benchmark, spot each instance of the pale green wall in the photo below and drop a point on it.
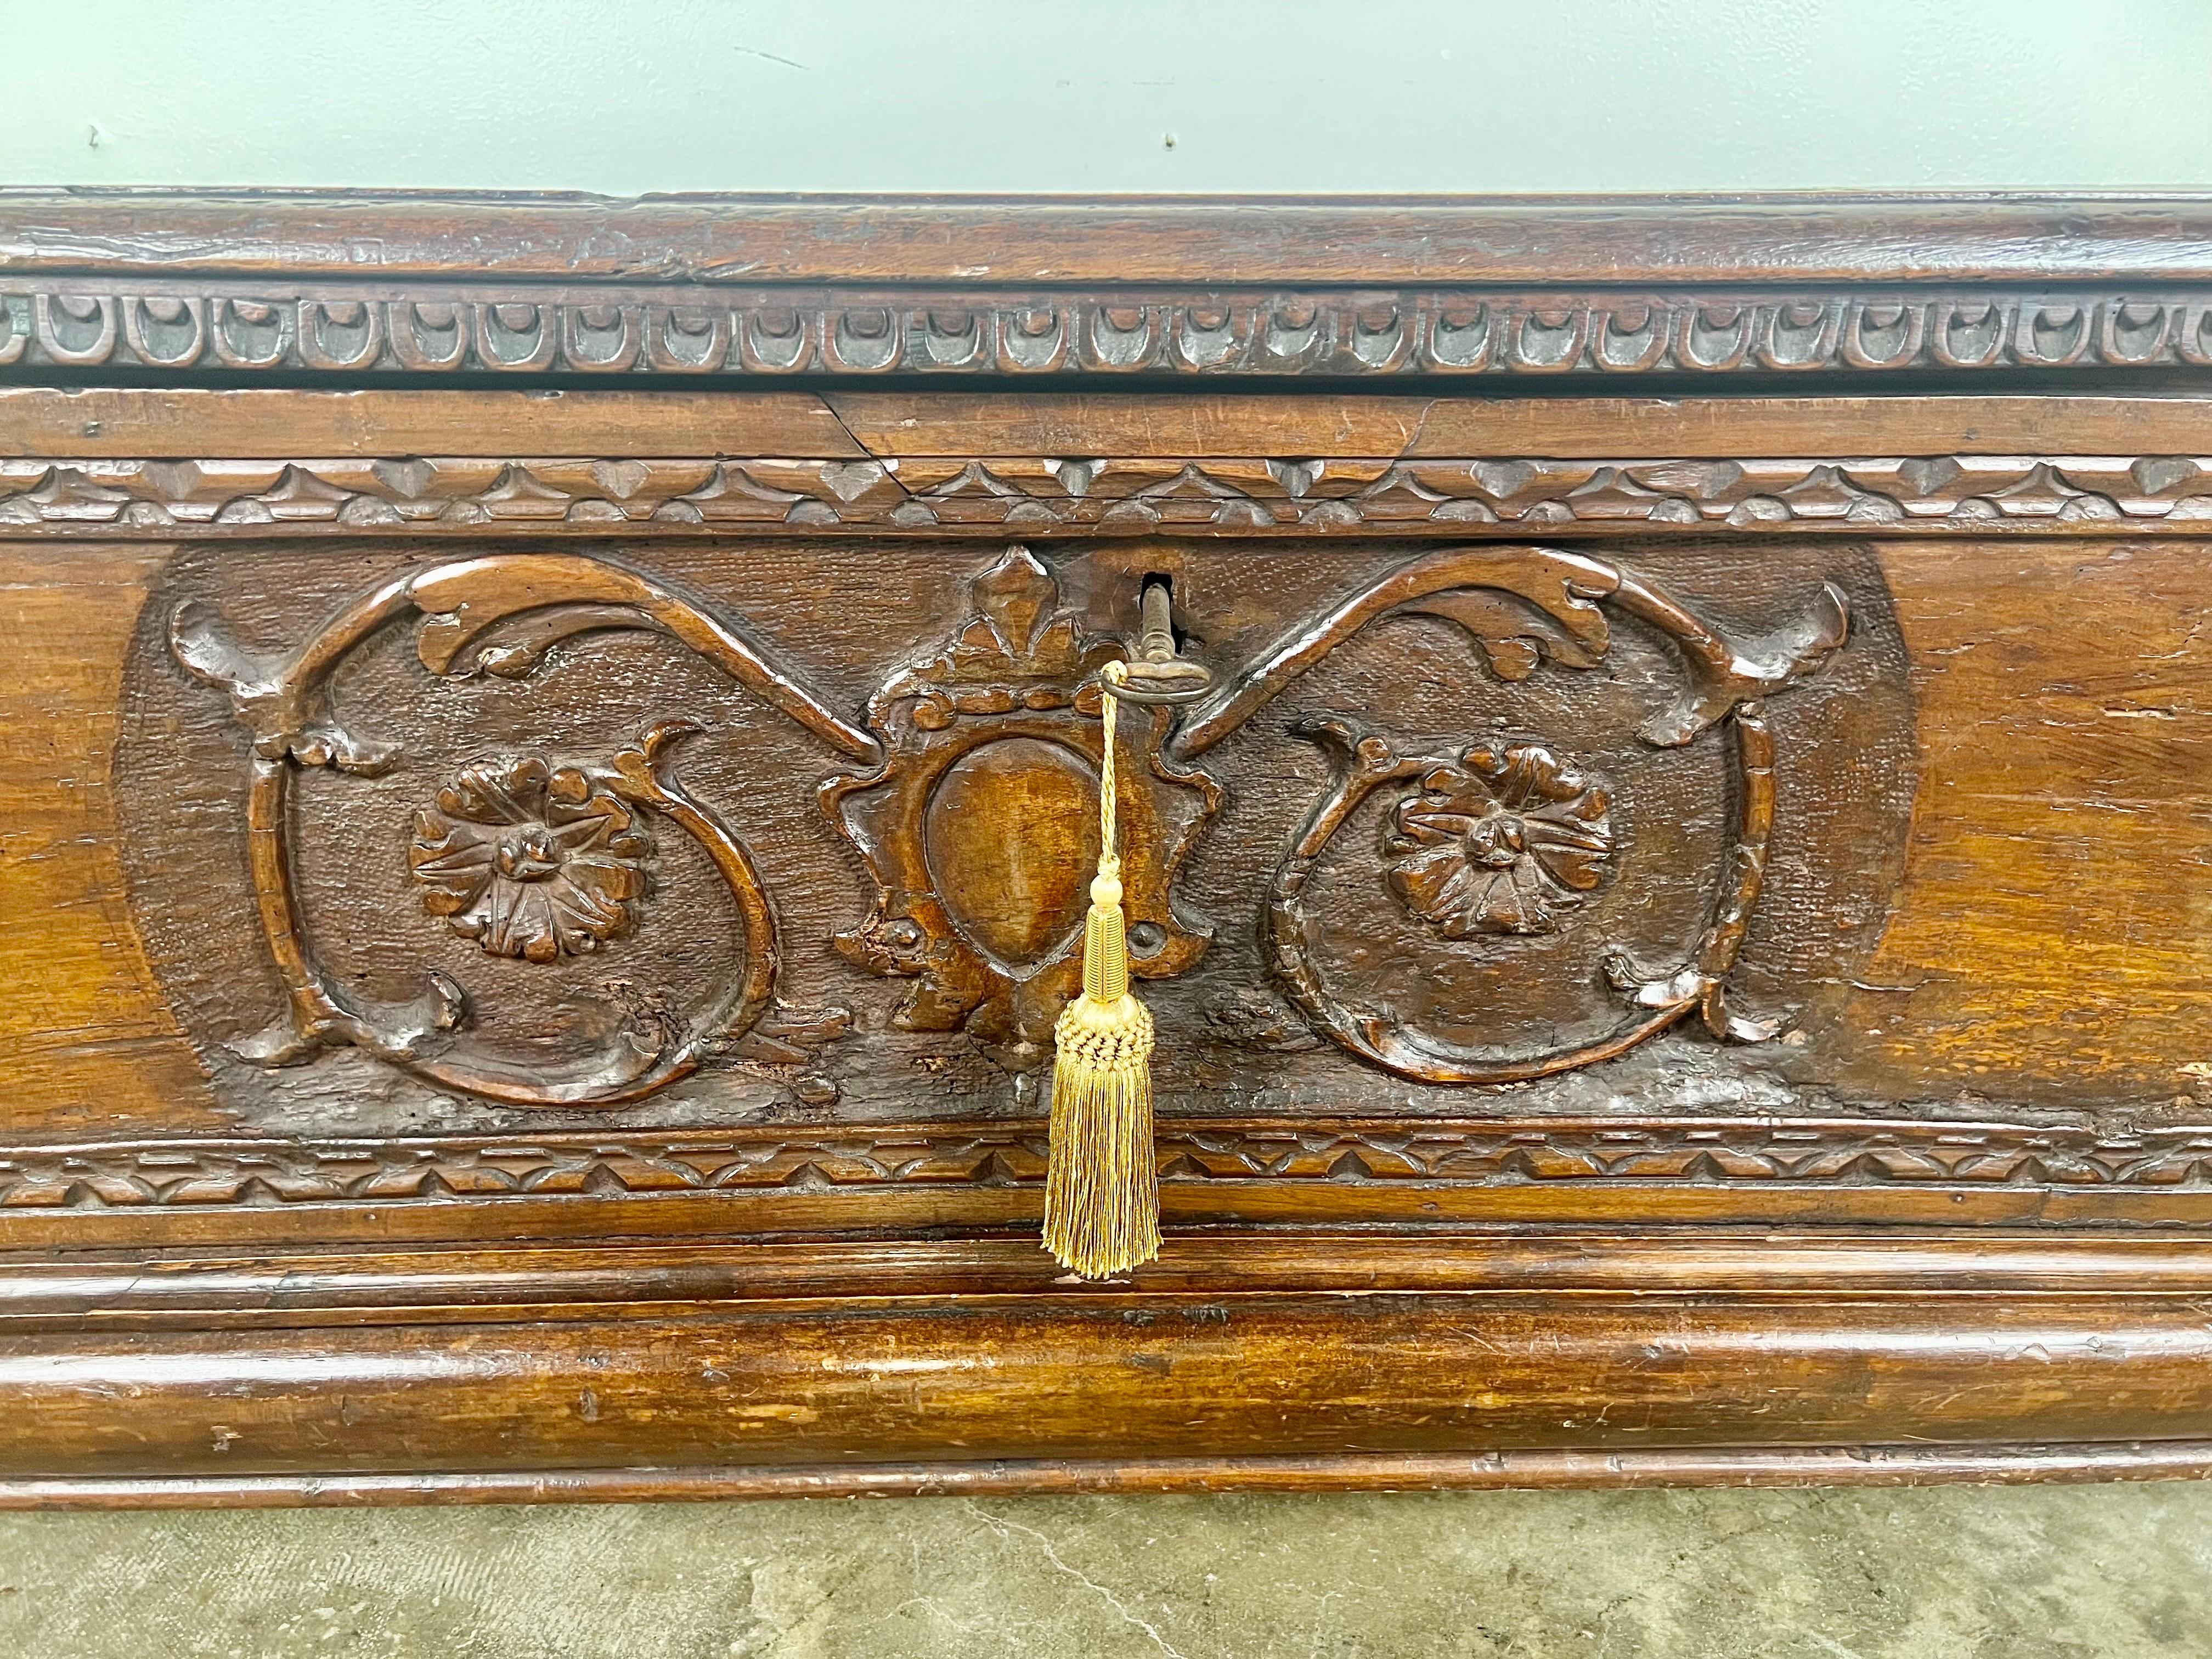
(630, 95)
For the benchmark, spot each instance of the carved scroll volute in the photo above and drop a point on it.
(530, 857)
(979, 830)
(1499, 837)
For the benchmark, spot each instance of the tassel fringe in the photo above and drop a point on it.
(1101, 1196)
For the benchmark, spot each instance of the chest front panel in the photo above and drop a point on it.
(531, 889)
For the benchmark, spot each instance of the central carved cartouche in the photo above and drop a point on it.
(980, 828)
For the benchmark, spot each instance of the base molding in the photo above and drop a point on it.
(1270, 1359)
(1551, 1469)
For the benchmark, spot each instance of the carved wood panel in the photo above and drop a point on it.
(755, 831)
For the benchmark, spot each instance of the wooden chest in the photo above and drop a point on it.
(551, 762)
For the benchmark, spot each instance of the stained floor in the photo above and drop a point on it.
(1945, 1573)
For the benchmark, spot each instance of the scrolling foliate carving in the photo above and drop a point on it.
(1518, 824)
(528, 859)
(969, 801)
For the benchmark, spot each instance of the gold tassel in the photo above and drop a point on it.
(1102, 1195)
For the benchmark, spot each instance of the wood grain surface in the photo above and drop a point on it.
(535, 905)
(1879, 238)
(256, 422)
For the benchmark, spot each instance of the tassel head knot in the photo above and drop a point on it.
(1104, 1037)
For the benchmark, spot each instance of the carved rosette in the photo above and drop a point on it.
(530, 859)
(1505, 840)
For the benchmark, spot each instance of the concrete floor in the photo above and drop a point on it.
(1944, 1573)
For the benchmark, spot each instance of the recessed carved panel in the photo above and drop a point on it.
(1483, 814)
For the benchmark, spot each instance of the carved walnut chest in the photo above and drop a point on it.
(552, 766)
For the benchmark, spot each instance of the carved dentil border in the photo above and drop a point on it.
(1046, 495)
(1604, 1152)
(430, 327)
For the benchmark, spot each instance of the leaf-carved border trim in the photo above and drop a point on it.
(1045, 495)
(1826, 1153)
(190, 328)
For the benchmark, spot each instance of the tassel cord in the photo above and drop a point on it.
(1108, 853)
(1106, 971)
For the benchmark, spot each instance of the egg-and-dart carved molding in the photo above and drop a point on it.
(614, 329)
(1046, 495)
(192, 1174)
